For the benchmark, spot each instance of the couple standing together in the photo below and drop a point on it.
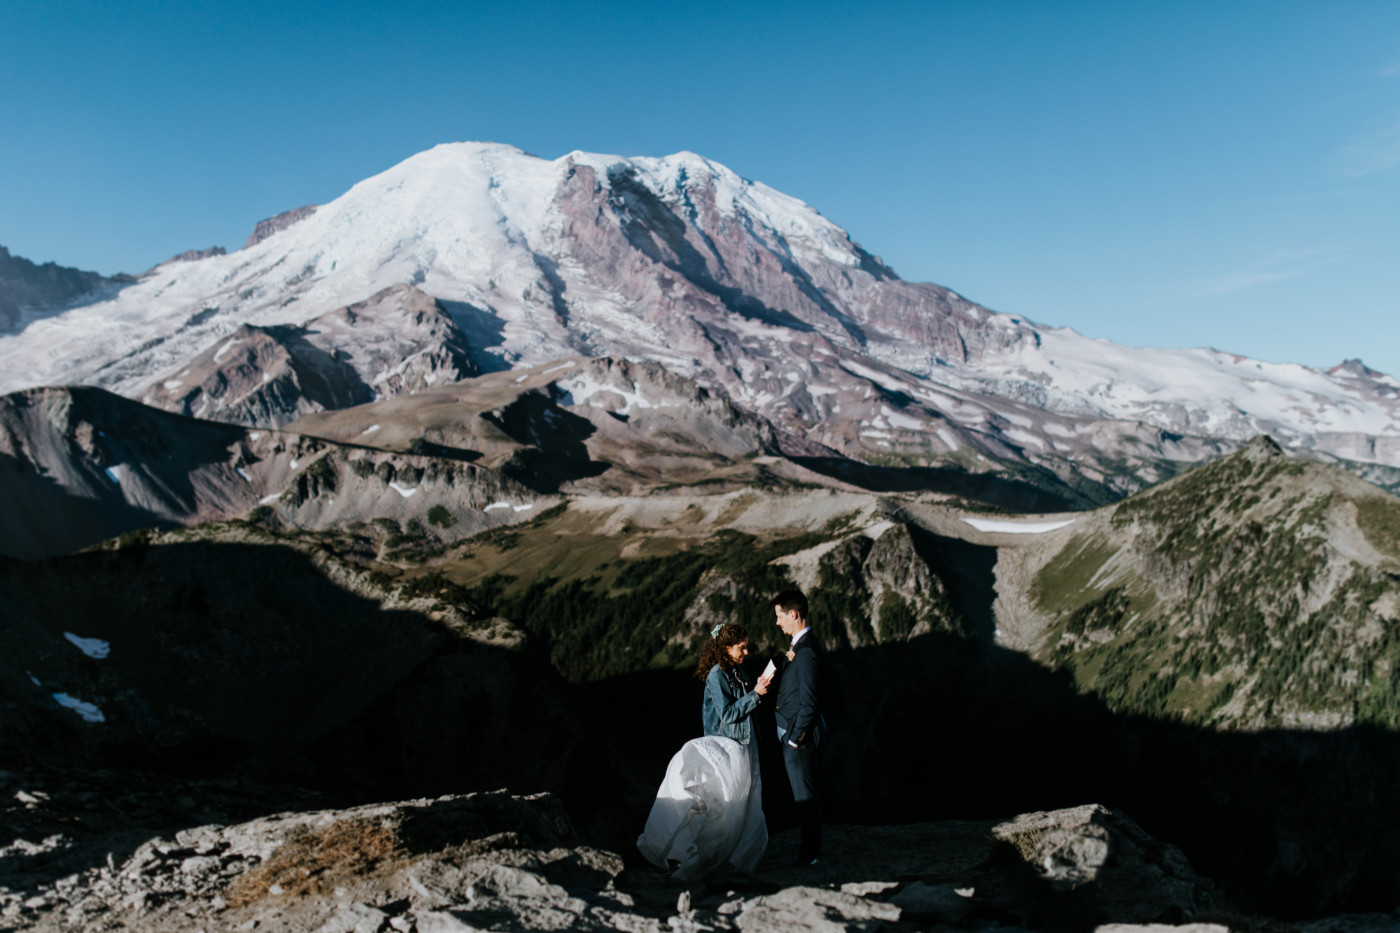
(708, 814)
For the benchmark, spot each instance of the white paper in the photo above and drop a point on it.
(771, 669)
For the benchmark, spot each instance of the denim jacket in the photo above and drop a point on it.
(728, 703)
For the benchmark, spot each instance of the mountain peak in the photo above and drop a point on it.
(1262, 447)
(1356, 368)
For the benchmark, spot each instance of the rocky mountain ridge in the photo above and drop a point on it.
(29, 290)
(81, 465)
(1253, 592)
(269, 376)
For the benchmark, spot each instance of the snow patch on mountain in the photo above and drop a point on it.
(1016, 528)
(92, 647)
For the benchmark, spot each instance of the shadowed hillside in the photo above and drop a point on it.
(234, 653)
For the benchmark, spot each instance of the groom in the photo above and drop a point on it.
(799, 717)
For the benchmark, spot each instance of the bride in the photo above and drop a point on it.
(708, 814)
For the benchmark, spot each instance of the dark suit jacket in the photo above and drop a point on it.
(798, 712)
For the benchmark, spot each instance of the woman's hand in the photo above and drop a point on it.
(761, 688)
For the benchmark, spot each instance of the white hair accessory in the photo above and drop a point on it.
(714, 632)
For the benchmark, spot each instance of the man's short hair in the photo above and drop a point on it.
(791, 601)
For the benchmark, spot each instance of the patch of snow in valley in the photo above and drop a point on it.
(524, 508)
(114, 473)
(567, 364)
(496, 505)
(948, 439)
(267, 500)
(88, 711)
(1016, 528)
(92, 647)
(401, 490)
(369, 430)
(255, 435)
(243, 473)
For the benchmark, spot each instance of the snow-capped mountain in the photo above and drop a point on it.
(680, 261)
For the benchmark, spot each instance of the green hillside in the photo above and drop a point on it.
(1252, 592)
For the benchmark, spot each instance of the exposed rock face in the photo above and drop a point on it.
(260, 377)
(81, 465)
(269, 376)
(194, 255)
(403, 341)
(282, 221)
(888, 591)
(26, 287)
(573, 425)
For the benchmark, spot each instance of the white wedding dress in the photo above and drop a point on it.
(708, 814)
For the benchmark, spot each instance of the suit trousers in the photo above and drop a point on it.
(801, 764)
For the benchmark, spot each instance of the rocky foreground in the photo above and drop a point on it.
(98, 851)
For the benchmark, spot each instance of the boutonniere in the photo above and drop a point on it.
(790, 654)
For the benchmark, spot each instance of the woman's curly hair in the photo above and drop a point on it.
(713, 652)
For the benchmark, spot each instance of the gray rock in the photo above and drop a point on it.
(1104, 856)
(266, 228)
(200, 864)
(504, 882)
(357, 918)
(816, 909)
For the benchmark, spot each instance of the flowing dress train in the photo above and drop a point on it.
(708, 814)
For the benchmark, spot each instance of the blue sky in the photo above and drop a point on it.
(1182, 174)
